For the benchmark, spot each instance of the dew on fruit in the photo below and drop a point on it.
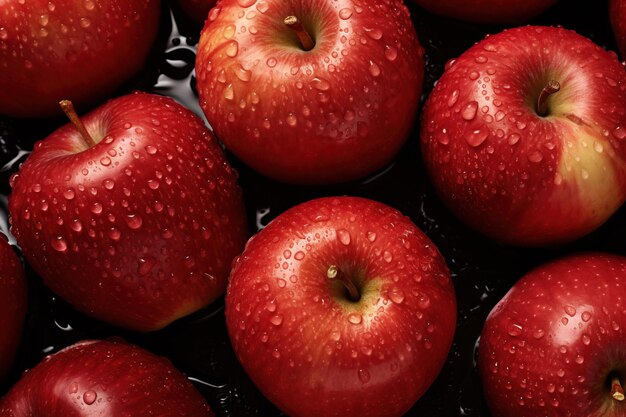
(585, 316)
(619, 132)
(73, 388)
(271, 62)
(374, 69)
(371, 236)
(535, 157)
(396, 295)
(96, 208)
(232, 49)
(373, 33)
(344, 236)
(586, 339)
(454, 97)
(469, 111)
(89, 397)
(134, 221)
(229, 93)
(514, 329)
(59, 244)
(355, 318)
(391, 53)
(364, 376)
(345, 13)
(476, 137)
(277, 320)
(151, 150)
(513, 138)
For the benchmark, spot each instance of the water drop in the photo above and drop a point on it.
(344, 236)
(469, 111)
(89, 397)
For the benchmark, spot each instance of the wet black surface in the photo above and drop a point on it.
(482, 270)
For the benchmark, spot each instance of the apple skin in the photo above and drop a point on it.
(618, 21)
(309, 349)
(332, 114)
(549, 346)
(511, 174)
(13, 303)
(140, 229)
(488, 11)
(198, 10)
(68, 49)
(103, 379)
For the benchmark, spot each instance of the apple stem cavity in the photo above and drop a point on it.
(552, 87)
(617, 391)
(335, 273)
(70, 112)
(306, 42)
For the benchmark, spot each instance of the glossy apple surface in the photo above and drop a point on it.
(198, 10)
(555, 345)
(512, 173)
(488, 11)
(68, 49)
(141, 228)
(104, 379)
(618, 21)
(334, 113)
(311, 348)
(12, 304)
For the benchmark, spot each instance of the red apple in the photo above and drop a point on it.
(139, 228)
(487, 11)
(12, 304)
(68, 49)
(341, 307)
(310, 92)
(103, 378)
(618, 21)
(555, 346)
(198, 10)
(515, 158)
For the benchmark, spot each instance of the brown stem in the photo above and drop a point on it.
(70, 112)
(335, 273)
(542, 102)
(617, 392)
(305, 39)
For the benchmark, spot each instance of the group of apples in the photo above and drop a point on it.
(341, 306)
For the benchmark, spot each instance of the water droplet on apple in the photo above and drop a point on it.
(355, 318)
(344, 236)
(133, 221)
(232, 49)
(229, 93)
(619, 132)
(89, 397)
(96, 208)
(586, 316)
(514, 329)
(371, 236)
(151, 150)
(69, 194)
(514, 138)
(73, 388)
(144, 265)
(535, 157)
(374, 33)
(538, 334)
(476, 138)
(374, 69)
(396, 295)
(469, 111)
(364, 376)
(277, 320)
(391, 53)
(246, 3)
(345, 13)
(454, 97)
(570, 310)
(59, 244)
(271, 62)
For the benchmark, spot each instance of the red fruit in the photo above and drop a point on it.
(341, 307)
(68, 49)
(555, 346)
(198, 10)
(104, 379)
(618, 21)
(139, 229)
(12, 304)
(336, 112)
(515, 172)
(488, 11)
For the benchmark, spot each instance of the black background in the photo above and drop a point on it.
(198, 345)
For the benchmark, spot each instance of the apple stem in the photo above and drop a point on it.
(335, 273)
(542, 102)
(305, 39)
(617, 392)
(70, 112)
